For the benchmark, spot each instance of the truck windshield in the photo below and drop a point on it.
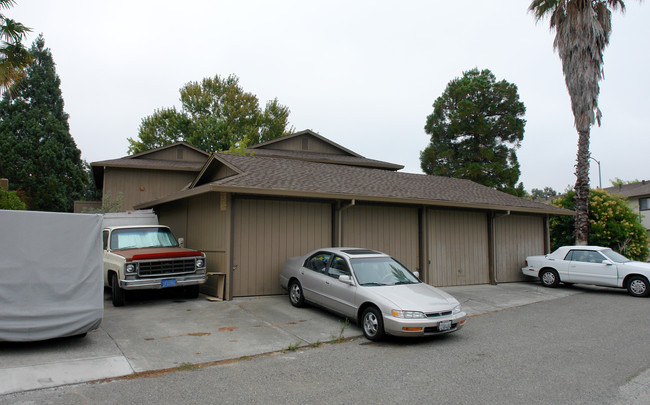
(132, 238)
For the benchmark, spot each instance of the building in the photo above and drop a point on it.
(638, 199)
(288, 196)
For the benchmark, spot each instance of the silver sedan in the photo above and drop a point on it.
(372, 289)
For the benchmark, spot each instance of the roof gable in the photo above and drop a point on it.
(306, 141)
(179, 151)
(214, 169)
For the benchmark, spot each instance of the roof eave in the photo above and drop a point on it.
(341, 196)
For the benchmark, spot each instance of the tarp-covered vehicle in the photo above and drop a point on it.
(51, 278)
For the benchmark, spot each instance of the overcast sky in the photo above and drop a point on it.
(362, 73)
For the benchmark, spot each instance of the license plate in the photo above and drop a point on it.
(170, 282)
(444, 325)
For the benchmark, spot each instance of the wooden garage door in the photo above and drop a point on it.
(458, 248)
(516, 237)
(266, 233)
(392, 230)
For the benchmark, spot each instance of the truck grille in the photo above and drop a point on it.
(166, 267)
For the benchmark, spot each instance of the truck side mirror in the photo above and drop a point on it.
(181, 242)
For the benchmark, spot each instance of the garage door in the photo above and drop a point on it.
(392, 230)
(266, 233)
(458, 248)
(516, 236)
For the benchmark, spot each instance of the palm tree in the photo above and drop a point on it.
(582, 29)
(14, 57)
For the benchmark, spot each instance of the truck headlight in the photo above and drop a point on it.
(200, 263)
(130, 268)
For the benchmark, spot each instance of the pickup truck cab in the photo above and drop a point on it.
(590, 265)
(149, 257)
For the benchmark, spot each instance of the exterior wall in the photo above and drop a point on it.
(203, 222)
(138, 185)
(458, 248)
(180, 153)
(392, 230)
(266, 233)
(306, 143)
(516, 236)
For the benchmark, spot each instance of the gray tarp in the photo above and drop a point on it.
(51, 275)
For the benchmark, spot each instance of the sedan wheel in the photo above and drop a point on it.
(373, 324)
(549, 278)
(638, 287)
(295, 294)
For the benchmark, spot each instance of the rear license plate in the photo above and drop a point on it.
(444, 325)
(170, 282)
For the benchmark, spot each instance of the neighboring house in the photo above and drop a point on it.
(249, 213)
(638, 199)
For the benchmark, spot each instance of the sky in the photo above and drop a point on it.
(363, 74)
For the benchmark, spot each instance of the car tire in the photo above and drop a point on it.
(637, 286)
(372, 324)
(549, 278)
(191, 291)
(117, 293)
(296, 297)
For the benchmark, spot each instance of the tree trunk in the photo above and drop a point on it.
(582, 189)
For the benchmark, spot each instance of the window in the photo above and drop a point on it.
(644, 204)
(587, 256)
(338, 268)
(318, 262)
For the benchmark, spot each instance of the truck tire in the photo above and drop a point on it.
(117, 294)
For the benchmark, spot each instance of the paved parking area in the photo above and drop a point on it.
(157, 331)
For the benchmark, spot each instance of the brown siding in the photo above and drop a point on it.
(458, 248)
(517, 236)
(137, 185)
(266, 233)
(392, 230)
(178, 153)
(313, 145)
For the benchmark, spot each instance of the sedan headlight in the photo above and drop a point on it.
(130, 268)
(200, 263)
(457, 310)
(408, 314)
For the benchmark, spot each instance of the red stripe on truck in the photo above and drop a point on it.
(166, 255)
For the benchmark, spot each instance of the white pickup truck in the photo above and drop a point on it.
(149, 257)
(589, 265)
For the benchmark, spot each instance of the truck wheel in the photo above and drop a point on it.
(117, 294)
(191, 291)
(549, 278)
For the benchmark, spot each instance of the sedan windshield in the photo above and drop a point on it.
(381, 271)
(615, 257)
(131, 238)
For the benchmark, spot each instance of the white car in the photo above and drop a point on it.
(589, 265)
(374, 290)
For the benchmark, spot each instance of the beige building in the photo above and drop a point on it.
(638, 199)
(303, 191)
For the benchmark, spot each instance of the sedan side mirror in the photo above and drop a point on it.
(346, 279)
(608, 262)
(416, 274)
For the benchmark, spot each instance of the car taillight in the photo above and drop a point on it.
(525, 263)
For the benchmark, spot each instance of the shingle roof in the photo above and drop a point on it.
(269, 175)
(639, 189)
(328, 158)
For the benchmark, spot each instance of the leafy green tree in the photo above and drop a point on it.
(37, 152)
(216, 114)
(547, 192)
(582, 29)
(9, 200)
(476, 127)
(621, 182)
(14, 58)
(613, 224)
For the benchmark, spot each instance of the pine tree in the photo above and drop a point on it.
(37, 152)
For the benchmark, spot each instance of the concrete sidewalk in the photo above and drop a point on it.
(155, 333)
